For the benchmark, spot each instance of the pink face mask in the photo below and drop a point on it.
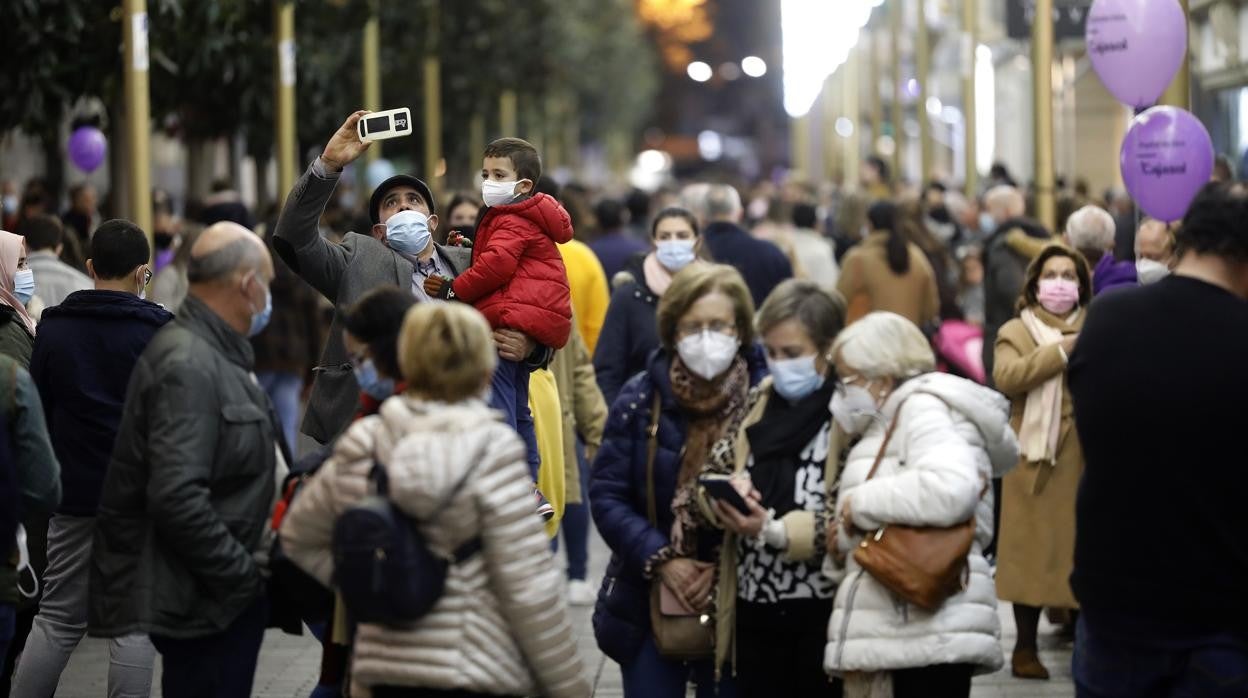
(1058, 296)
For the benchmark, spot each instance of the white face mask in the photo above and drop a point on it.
(1150, 271)
(498, 193)
(708, 353)
(853, 408)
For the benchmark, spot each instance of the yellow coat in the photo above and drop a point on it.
(548, 423)
(584, 409)
(1036, 541)
(590, 295)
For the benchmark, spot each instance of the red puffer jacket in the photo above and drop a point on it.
(517, 279)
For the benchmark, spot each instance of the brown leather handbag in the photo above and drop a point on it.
(680, 632)
(923, 565)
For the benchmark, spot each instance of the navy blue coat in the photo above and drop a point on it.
(630, 333)
(84, 352)
(762, 264)
(617, 495)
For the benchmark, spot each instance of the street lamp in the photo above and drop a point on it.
(699, 71)
(754, 66)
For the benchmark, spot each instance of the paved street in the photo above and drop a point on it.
(289, 665)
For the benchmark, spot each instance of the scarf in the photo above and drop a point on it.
(12, 248)
(777, 441)
(658, 278)
(713, 409)
(1042, 412)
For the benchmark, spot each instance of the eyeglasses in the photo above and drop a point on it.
(147, 276)
(692, 328)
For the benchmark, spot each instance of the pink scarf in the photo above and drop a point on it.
(1042, 413)
(658, 278)
(12, 249)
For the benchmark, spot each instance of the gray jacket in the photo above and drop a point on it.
(342, 273)
(54, 279)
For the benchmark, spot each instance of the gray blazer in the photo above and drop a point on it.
(342, 273)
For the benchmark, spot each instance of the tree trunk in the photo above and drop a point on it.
(263, 196)
(200, 166)
(54, 166)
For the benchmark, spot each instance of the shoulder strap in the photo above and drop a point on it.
(652, 448)
(888, 436)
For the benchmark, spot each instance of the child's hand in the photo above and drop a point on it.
(458, 239)
(439, 287)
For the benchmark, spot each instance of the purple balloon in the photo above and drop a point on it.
(1136, 47)
(1166, 158)
(87, 146)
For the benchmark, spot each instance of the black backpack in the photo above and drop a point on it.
(383, 568)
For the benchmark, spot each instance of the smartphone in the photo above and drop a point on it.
(720, 487)
(381, 125)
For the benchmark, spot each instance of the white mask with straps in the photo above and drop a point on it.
(23, 563)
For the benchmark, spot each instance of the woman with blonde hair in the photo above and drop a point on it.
(500, 626)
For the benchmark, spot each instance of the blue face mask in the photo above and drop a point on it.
(24, 285)
(371, 382)
(794, 379)
(260, 320)
(675, 254)
(986, 223)
(407, 232)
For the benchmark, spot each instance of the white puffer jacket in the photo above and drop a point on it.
(953, 436)
(501, 625)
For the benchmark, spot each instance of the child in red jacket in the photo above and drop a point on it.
(517, 279)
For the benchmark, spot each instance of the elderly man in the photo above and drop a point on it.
(1090, 230)
(762, 264)
(397, 251)
(182, 521)
(1008, 249)
(1154, 251)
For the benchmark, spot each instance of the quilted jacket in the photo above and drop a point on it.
(501, 624)
(517, 278)
(951, 438)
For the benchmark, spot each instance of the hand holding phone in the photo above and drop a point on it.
(720, 487)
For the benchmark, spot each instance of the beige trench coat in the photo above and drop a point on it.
(1036, 542)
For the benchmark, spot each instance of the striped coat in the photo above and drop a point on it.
(501, 625)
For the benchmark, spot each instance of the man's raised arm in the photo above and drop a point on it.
(297, 237)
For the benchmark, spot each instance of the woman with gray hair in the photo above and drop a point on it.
(931, 442)
(773, 601)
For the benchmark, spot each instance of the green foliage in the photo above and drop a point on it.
(212, 63)
(56, 51)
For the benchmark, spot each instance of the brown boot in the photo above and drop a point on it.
(1025, 664)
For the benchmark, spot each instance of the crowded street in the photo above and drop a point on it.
(623, 349)
(289, 664)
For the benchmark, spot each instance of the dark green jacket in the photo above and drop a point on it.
(15, 340)
(189, 489)
(38, 474)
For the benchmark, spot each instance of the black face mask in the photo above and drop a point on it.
(940, 214)
(468, 231)
(163, 240)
